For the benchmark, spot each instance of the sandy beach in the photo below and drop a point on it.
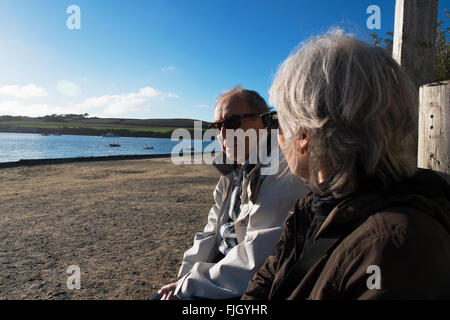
(125, 223)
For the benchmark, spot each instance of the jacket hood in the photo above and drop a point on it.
(425, 191)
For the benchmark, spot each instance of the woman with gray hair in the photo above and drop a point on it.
(374, 226)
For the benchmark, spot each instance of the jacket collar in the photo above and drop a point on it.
(220, 163)
(425, 191)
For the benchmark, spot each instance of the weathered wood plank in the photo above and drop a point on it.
(434, 128)
(414, 38)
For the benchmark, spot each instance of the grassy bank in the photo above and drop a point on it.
(81, 125)
(97, 126)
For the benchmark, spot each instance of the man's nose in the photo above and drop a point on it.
(223, 131)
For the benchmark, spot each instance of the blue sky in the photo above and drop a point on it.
(156, 58)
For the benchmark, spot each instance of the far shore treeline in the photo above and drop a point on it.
(82, 124)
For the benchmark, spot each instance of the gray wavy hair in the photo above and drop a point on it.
(358, 105)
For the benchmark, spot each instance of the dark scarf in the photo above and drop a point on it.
(322, 205)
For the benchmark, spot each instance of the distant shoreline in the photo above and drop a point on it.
(90, 132)
(34, 162)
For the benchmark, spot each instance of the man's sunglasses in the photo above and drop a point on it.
(270, 121)
(231, 122)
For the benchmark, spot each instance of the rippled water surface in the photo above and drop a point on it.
(16, 146)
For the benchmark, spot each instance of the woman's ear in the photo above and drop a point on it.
(303, 141)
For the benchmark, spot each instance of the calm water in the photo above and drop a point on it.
(16, 146)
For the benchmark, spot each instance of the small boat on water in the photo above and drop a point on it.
(110, 135)
(114, 145)
(44, 134)
(148, 148)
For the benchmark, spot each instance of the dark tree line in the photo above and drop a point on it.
(52, 117)
(64, 117)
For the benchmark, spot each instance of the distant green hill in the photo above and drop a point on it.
(79, 124)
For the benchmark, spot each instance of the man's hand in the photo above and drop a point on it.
(167, 291)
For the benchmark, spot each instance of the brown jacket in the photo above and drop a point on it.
(403, 229)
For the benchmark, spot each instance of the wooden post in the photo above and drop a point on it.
(414, 38)
(434, 128)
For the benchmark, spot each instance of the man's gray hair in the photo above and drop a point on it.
(358, 105)
(254, 100)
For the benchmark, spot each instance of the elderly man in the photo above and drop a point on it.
(250, 207)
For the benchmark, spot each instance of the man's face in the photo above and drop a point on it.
(235, 106)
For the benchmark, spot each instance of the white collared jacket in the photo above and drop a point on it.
(266, 201)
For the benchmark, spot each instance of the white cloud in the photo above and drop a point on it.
(23, 92)
(149, 92)
(106, 105)
(68, 88)
(118, 104)
(168, 68)
(172, 95)
(20, 108)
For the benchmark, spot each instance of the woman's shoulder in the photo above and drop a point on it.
(394, 236)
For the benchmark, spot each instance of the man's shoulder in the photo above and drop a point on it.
(283, 183)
